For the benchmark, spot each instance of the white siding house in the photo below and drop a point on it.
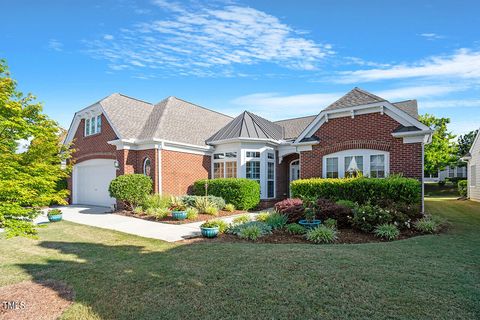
(473, 159)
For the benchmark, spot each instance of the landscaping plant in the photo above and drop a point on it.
(328, 209)
(222, 225)
(387, 231)
(252, 232)
(321, 234)
(462, 188)
(31, 157)
(241, 219)
(367, 216)
(130, 189)
(330, 223)
(161, 213)
(295, 228)
(138, 210)
(54, 212)
(292, 208)
(156, 201)
(211, 210)
(427, 225)
(192, 213)
(229, 207)
(202, 203)
(263, 228)
(262, 216)
(212, 200)
(243, 193)
(276, 220)
(176, 204)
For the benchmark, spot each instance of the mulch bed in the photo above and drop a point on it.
(279, 236)
(170, 220)
(32, 300)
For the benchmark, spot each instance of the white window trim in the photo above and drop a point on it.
(274, 174)
(144, 165)
(225, 160)
(365, 153)
(95, 122)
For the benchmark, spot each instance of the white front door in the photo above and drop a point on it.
(91, 180)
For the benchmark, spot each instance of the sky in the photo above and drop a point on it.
(279, 59)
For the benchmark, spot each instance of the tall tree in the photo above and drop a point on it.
(29, 174)
(465, 142)
(442, 151)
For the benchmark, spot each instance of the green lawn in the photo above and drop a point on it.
(118, 276)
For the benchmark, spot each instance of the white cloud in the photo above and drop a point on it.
(211, 41)
(55, 45)
(453, 103)
(463, 64)
(108, 37)
(417, 92)
(431, 36)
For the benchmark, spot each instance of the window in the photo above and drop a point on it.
(218, 156)
(473, 176)
(231, 169)
(147, 168)
(253, 170)
(93, 125)
(253, 154)
(230, 155)
(218, 170)
(353, 165)
(332, 167)
(377, 166)
(271, 155)
(451, 172)
(270, 179)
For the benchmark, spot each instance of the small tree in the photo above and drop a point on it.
(442, 151)
(465, 142)
(30, 159)
(130, 189)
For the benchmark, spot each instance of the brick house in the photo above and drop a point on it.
(176, 143)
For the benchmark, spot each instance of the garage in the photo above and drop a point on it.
(91, 179)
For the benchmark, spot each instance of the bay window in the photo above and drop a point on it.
(225, 165)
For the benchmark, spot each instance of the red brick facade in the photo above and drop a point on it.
(368, 131)
(180, 170)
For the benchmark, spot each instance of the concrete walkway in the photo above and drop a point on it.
(100, 217)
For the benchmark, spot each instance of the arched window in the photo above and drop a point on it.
(147, 167)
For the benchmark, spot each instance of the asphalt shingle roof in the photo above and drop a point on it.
(248, 125)
(408, 106)
(293, 127)
(356, 97)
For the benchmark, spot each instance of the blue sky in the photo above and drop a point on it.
(279, 59)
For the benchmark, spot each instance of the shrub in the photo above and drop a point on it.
(229, 207)
(441, 183)
(330, 210)
(262, 216)
(387, 231)
(222, 225)
(295, 228)
(176, 204)
(276, 220)
(347, 203)
(216, 201)
(330, 223)
(368, 216)
(202, 203)
(138, 210)
(241, 219)
(156, 201)
(361, 190)
(427, 225)
(292, 208)
(243, 193)
(462, 188)
(322, 234)
(211, 210)
(161, 213)
(130, 189)
(255, 225)
(192, 213)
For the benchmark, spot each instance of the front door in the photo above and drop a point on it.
(294, 170)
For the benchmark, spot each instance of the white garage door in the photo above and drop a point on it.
(91, 179)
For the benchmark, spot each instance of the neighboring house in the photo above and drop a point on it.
(473, 164)
(176, 143)
(448, 172)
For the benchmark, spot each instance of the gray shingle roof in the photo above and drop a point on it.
(171, 119)
(402, 128)
(248, 125)
(293, 127)
(408, 106)
(355, 97)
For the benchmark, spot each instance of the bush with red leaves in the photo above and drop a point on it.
(327, 209)
(292, 208)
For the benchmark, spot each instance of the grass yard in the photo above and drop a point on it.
(118, 276)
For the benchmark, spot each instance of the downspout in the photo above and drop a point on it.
(159, 168)
(423, 182)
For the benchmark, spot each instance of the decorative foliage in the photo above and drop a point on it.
(229, 207)
(192, 213)
(130, 189)
(322, 234)
(213, 200)
(156, 201)
(427, 225)
(262, 216)
(176, 204)
(30, 176)
(292, 208)
(222, 225)
(243, 193)
(211, 210)
(387, 231)
(241, 219)
(339, 212)
(462, 188)
(295, 228)
(330, 223)
(368, 216)
(254, 230)
(276, 220)
(54, 212)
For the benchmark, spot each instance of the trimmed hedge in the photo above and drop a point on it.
(243, 193)
(361, 190)
(462, 188)
(130, 189)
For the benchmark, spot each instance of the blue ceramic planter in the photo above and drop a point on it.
(55, 218)
(209, 232)
(310, 224)
(179, 215)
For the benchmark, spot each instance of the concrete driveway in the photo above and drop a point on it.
(102, 218)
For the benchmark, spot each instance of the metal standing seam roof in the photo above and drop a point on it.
(248, 125)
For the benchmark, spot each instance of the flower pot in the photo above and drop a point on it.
(55, 218)
(179, 215)
(209, 232)
(310, 224)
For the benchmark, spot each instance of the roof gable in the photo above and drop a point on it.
(354, 97)
(248, 125)
(293, 127)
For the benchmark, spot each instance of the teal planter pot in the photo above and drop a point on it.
(179, 215)
(310, 224)
(209, 232)
(55, 218)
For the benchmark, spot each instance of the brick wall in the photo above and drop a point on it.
(368, 131)
(180, 170)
